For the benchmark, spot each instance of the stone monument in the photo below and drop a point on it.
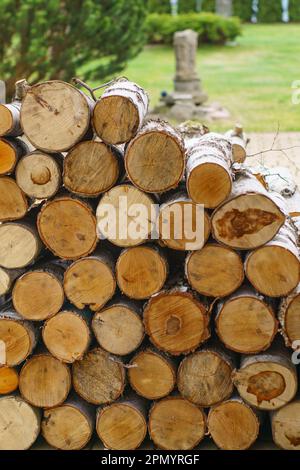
(2, 92)
(188, 98)
(224, 7)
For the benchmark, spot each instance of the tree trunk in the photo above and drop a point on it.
(267, 381)
(9, 380)
(20, 244)
(239, 141)
(123, 425)
(11, 150)
(117, 209)
(141, 271)
(10, 119)
(67, 226)
(55, 116)
(91, 281)
(251, 216)
(274, 268)
(120, 112)
(155, 158)
(67, 335)
(99, 378)
(204, 377)
(176, 321)
(19, 336)
(13, 202)
(176, 424)
(286, 426)
(39, 174)
(202, 270)
(208, 170)
(152, 374)
(38, 294)
(13, 411)
(233, 425)
(44, 381)
(92, 168)
(288, 315)
(245, 322)
(183, 225)
(118, 327)
(70, 425)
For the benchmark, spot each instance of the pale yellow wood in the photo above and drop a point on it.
(124, 229)
(89, 281)
(176, 424)
(152, 375)
(18, 337)
(290, 319)
(176, 322)
(118, 329)
(286, 426)
(19, 424)
(13, 203)
(66, 336)
(54, 116)
(67, 227)
(98, 378)
(141, 271)
(19, 245)
(215, 270)
(209, 184)
(90, 168)
(204, 377)
(121, 426)
(6, 120)
(38, 295)
(246, 324)
(39, 175)
(44, 381)
(66, 428)
(233, 425)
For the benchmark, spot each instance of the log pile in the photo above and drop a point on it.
(120, 321)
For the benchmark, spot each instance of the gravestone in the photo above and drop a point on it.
(224, 7)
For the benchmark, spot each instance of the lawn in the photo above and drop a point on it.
(252, 79)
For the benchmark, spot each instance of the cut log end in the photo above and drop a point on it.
(90, 168)
(118, 329)
(54, 116)
(66, 336)
(19, 245)
(286, 426)
(141, 272)
(290, 319)
(233, 425)
(214, 271)
(9, 380)
(14, 410)
(176, 424)
(6, 120)
(246, 324)
(66, 428)
(10, 151)
(115, 119)
(273, 270)
(18, 337)
(68, 228)
(204, 378)
(98, 378)
(246, 221)
(176, 322)
(44, 381)
(38, 295)
(152, 375)
(209, 184)
(89, 282)
(121, 426)
(13, 203)
(39, 175)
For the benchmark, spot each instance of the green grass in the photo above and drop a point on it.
(252, 80)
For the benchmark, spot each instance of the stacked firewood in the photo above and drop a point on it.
(134, 331)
